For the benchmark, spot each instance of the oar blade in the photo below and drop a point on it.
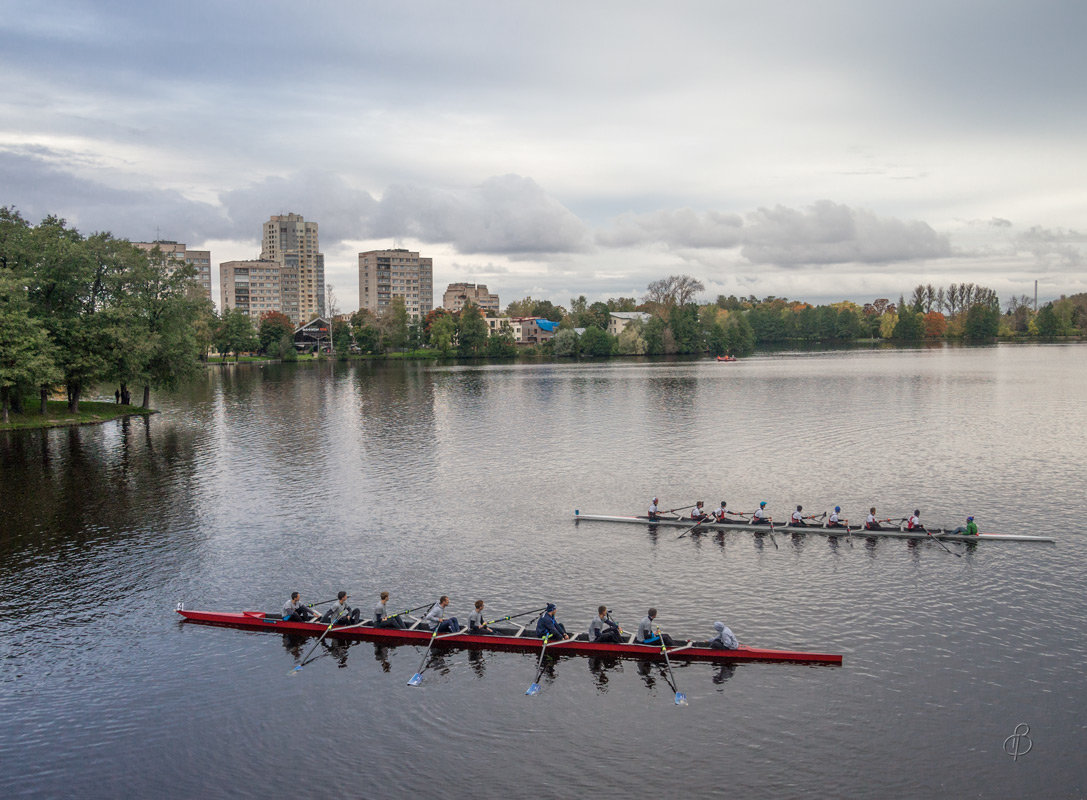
(295, 670)
(415, 679)
(681, 698)
(533, 690)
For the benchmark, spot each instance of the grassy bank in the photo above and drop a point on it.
(57, 415)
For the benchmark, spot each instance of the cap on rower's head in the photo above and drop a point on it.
(762, 504)
(969, 519)
(550, 607)
(655, 499)
(837, 509)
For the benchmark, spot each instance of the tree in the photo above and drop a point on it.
(565, 344)
(982, 322)
(341, 337)
(621, 304)
(935, 325)
(597, 342)
(443, 330)
(274, 325)
(548, 310)
(471, 331)
(393, 323)
(909, 327)
(501, 345)
(630, 341)
(887, 323)
(686, 332)
(26, 353)
(673, 290)
(235, 333)
(1049, 325)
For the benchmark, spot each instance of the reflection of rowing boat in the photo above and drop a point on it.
(522, 640)
(741, 525)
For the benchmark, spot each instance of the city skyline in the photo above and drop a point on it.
(839, 151)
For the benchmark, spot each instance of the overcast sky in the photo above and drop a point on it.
(815, 150)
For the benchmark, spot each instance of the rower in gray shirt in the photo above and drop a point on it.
(646, 634)
(476, 622)
(381, 615)
(294, 611)
(602, 629)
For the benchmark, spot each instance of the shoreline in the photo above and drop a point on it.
(91, 412)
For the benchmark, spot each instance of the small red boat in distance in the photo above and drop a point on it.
(727, 358)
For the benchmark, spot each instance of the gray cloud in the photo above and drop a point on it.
(824, 233)
(1053, 248)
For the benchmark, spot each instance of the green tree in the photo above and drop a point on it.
(501, 345)
(909, 328)
(686, 331)
(597, 342)
(341, 337)
(235, 333)
(1049, 325)
(630, 340)
(26, 352)
(393, 322)
(982, 322)
(472, 331)
(443, 330)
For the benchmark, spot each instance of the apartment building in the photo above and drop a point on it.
(293, 243)
(458, 294)
(387, 274)
(176, 251)
(254, 287)
(618, 320)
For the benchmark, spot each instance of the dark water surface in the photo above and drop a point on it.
(462, 480)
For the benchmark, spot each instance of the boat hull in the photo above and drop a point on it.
(892, 533)
(259, 621)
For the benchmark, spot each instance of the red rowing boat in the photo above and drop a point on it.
(259, 621)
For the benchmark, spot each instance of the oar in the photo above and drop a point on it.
(408, 611)
(688, 530)
(772, 539)
(515, 616)
(534, 689)
(673, 510)
(849, 535)
(417, 678)
(944, 546)
(315, 644)
(681, 698)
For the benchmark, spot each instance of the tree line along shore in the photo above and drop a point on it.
(79, 312)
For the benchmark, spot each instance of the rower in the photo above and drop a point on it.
(381, 617)
(435, 621)
(724, 638)
(970, 529)
(760, 517)
(835, 521)
(719, 513)
(341, 613)
(871, 523)
(603, 630)
(476, 624)
(645, 634)
(698, 514)
(654, 510)
(547, 626)
(797, 519)
(294, 611)
(914, 522)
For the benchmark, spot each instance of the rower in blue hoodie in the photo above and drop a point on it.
(548, 626)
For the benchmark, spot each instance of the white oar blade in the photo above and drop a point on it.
(681, 699)
(533, 690)
(416, 679)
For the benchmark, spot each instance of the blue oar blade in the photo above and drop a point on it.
(416, 679)
(295, 670)
(681, 699)
(533, 690)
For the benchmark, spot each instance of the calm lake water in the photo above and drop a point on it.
(427, 479)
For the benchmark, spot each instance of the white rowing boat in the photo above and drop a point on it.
(891, 533)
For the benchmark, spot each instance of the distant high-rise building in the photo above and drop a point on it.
(385, 274)
(254, 287)
(457, 294)
(292, 242)
(175, 251)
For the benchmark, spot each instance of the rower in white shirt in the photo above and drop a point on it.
(871, 523)
(654, 510)
(835, 521)
(797, 519)
(761, 517)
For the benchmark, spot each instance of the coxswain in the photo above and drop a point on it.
(699, 514)
(969, 529)
(645, 634)
(914, 522)
(341, 613)
(294, 611)
(436, 619)
(476, 623)
(835, 521)
(871, 523)
(381, 615)
(603, 630)
(760, 517)
(654, 510)
(724, 638)
(797, 519)
(547, 626)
